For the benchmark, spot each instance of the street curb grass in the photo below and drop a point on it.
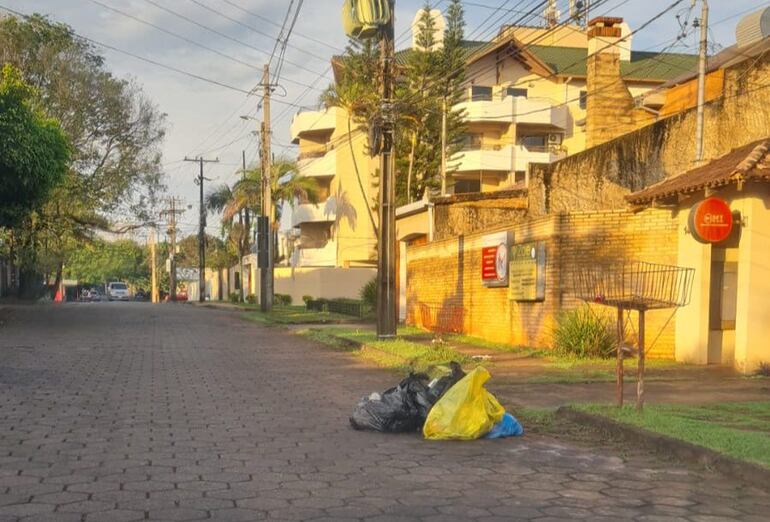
(669, 446)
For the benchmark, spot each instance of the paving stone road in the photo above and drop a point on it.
(129, 411)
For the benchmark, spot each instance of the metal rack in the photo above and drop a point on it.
(634, 285)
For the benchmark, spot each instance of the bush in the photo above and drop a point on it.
(306, 299)
(282, 299)
(234, 297)
(251, 299)
(581, 333)
(763, 369)
(368, 292)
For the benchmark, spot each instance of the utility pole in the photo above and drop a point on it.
(154, 294)
(201, 229)
(704, 29)
(171, 212)
(443, 147)
(266, 273)
(386, 259)
(243, 217)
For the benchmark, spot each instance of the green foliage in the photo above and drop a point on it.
(368, 292)
(217, 254)
(581, 333)
(33, 150)
(100, 262)
(251, 299)
(306, 299)
(282, 299)
(234, 297)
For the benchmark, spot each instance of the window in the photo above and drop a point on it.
(471, 141)
(464, 186)
(481, 93)
(512, 91)
(583, 99)
(533, 142)
(519, 176)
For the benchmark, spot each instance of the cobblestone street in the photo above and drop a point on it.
(128, 411)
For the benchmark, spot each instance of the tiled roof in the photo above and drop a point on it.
(571, 61)
(748, 163)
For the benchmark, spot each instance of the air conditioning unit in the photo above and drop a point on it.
(554, 139)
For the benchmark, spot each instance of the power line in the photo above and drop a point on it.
(218, 33)
(265, 19)
(138, 57)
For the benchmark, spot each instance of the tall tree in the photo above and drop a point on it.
(33, 150)
(115, 133)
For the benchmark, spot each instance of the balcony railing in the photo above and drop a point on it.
(312, 120)
(321, 164)
(514, 109)
(324, 211)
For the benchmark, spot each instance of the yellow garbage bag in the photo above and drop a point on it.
(466, 411)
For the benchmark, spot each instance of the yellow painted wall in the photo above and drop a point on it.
(327, 282)
(752, 325)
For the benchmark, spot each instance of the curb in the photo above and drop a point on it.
(746, 471)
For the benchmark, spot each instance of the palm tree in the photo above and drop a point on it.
(245, 198)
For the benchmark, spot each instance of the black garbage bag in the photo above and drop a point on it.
(440, 386)
(402, 408)
(405, 407)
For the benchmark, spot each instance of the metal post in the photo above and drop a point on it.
(640, 371)
(386, 266)
(154, 295)
(172, 254)
(704, 28)
(619, 366)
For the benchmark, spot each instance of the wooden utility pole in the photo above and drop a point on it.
(201, 229)
(243, 217)
(154, 294)
(386, 259)
(171, 212)
(443, 147)
(266, 273)
(704, 30)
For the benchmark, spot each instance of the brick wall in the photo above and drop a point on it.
(444, 282)
(599, 178)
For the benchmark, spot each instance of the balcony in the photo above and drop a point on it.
(309, 120)
(315, 165)
(325, 256)
(523, 156)
(502, 158)
(515, 109)
(314, 213)
(487, 158)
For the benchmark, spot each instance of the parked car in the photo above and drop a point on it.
(141, 295)
(117, 291)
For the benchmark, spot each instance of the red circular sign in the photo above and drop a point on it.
(711, 220)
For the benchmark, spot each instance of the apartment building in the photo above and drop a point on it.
(527, 97)
(338, 231)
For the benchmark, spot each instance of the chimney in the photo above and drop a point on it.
(609, 104)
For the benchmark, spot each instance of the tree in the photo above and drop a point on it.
(246, 195)
(99, 262)
(114, 131)
(33, 150)
(216, 253)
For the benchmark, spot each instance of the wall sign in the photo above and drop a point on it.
(711, 220)
(494, 259)
(527, 272)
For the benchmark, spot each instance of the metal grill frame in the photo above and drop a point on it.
(635, 285)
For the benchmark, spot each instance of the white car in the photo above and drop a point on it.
(117, 292)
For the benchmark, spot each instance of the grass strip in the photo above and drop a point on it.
(740, 430)
(285, 315)
(397, 354)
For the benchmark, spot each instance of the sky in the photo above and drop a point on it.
(204, 118)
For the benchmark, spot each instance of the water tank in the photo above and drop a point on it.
(753, 27)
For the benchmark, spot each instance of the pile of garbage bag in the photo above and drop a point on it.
(456, 406)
